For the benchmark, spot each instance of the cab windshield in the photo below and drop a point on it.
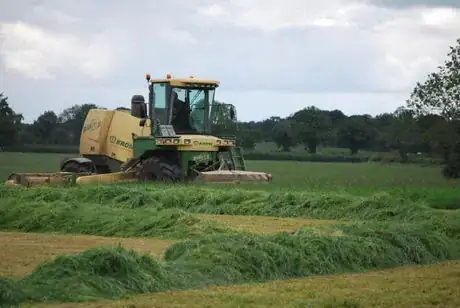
(191, 110)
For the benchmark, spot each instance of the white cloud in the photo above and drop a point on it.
(327, 22)
(402, 45)
(54, 15)
(441, 18)
(177, 37)
(213, 10)
(272, 57)
(38, 54)
(271, 15)
(409, 45)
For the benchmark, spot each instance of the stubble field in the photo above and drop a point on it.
(321, 235)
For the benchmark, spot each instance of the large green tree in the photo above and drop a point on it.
(10, 122)
(45, 126)
(440, 94)
(403, 133)
(284, 134)
(356, 133)
(312, 127)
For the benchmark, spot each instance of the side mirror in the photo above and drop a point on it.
(142, 122)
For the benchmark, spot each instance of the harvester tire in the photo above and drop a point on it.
(156, 169)
(75, 167)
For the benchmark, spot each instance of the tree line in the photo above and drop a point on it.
(428, 123)
(48, 129)
(310, 127)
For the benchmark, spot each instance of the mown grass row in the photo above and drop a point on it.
(229, 259)
(318, 205)
(400, 233)
(165, 213)
(92, 219)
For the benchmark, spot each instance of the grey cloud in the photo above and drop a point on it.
(33, 98)
(289, 60)
(302, 61)
(403, 4)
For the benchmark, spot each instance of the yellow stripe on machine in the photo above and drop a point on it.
(108, 178)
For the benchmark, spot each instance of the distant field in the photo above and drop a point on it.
(332, 176)
(272, 147)
(287, 174)
(29, 162)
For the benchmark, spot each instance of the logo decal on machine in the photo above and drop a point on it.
(93, 125)
(122, 143)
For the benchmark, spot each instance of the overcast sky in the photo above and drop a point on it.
(272, 57)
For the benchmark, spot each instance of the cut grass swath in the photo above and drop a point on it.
(228, 259)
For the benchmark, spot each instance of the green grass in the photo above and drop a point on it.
(387, 232)
(93, 219)
(29, 162)
(349, 176)
(124, 200)
(229, 259)
(410, 286)
(360, 178)
(400, 215)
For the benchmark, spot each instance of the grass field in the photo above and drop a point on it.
(315, 237)
(270, 147)
(417, 286)
(287, 175)
(22, 252)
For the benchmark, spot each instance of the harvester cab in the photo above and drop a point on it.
(183, 104)
(180, 135)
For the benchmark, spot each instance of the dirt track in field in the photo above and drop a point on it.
(21, 252)
(266, 224)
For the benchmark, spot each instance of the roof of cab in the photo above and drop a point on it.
(186, 81)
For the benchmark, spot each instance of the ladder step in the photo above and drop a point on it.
(237, 159)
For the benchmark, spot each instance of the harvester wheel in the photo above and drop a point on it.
(157, 169)
(75, 167)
